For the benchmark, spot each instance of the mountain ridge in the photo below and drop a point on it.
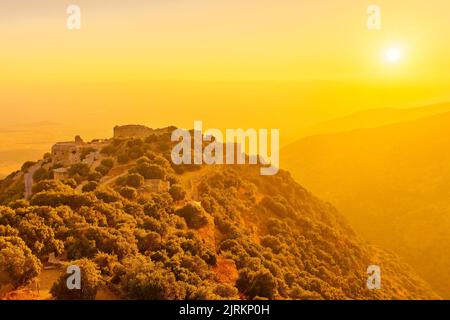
(393, 176)
(132, 214)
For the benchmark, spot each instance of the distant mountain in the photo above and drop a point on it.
(374, 118)
(391, 182)
(149, 229)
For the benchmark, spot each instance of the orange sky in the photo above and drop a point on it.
(230, 63)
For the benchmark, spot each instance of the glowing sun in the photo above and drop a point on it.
(393, 55)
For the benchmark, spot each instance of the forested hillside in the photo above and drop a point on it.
(147, 229)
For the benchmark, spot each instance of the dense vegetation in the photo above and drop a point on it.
(222, 232)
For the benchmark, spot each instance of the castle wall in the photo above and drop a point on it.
(130, 131)
(65, 154)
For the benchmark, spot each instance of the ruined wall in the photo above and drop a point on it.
(130, 131)
(65, 153)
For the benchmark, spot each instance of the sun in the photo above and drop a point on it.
(393, 55)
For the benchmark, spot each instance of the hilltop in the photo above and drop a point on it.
(147, 229)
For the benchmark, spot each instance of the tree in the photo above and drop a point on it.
(177, 192)
(150, 171)
(38, 236)
(272, 243)
(94, 176)
(128, 192)
(18, 266)
(27, 165)
(85, 152)
(103, 170)
(257, 284)
(107, 195)
(108, 150)
(80, 169)
(123, 158)
(107, 263)
(108, 162)
(50, 185)
(194, 215)
(146, 281)
(42, 174)
(90, 281)
(134, 180)
(90, 186)
(71, 183)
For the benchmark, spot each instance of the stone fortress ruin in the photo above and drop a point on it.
(65, 154)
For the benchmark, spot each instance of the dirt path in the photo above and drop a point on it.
(28, 179)
(191, 179)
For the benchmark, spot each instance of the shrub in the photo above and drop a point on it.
(27, 165)
(107, 196)
(20, 203)
(134, 180)
(56, 199)
(123, 158)
(150, 171)
(18, 266)
(107, 263)
(42, 174)
(194, 215)
(128, 192)
(108, 150)
(272, 243)
(226, 291)
(177, 192)
(173, 179)
(257, 284)
(90, 186)
(108, 162)
(71, 183)
(85, 152)
(145, 281)
(94, 176)
(90, 281)
(80, 169)
(50, 185)
(103, 170)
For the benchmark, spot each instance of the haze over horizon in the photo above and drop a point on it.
(301, 63)
(257, 64)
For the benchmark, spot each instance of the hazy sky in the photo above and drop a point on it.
(249, 63)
